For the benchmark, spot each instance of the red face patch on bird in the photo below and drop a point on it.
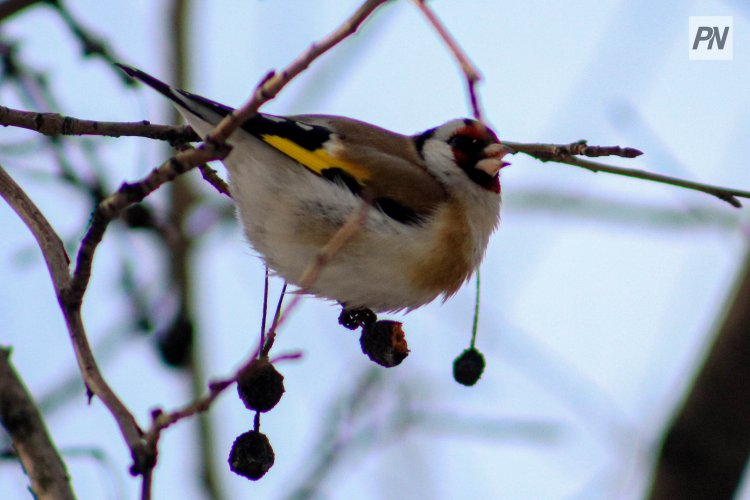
(478, 152)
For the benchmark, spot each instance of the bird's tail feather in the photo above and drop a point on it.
(207, 110)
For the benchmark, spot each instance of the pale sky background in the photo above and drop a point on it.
(594, 314)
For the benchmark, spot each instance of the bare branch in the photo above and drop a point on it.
(567, 154)
(31, 441)
(560, 152)
(53, 125)
(50, 243)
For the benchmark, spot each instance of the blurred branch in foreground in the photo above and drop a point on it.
(376, 412)
(705, 450)
(604, 209)
(31, 441)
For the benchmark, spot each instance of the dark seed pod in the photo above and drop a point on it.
(468, 367)
(384, 343)
(251, 455)
(176, 342)
(260, 385)
(354, 318)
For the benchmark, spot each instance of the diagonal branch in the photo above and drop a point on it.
(10, 7)
(57, 263)
(52, 247)
(273, 82)
(112, 206)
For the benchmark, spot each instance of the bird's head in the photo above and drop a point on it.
(463, 149)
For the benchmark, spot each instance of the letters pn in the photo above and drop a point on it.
(709, 34)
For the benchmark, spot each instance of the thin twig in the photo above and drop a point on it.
(567, 155)
(161, 420)
(212, 177)
(475, 322)
(148, 477)
(559, 152)
(264, 315)
(467, 67)
(268, 344)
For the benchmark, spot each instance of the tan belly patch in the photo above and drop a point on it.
(447, 265)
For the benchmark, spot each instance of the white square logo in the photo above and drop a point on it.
(711, 38)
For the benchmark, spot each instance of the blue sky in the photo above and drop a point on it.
(599, 292)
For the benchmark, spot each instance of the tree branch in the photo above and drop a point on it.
(567, 154)
(31, 441)
(57, 264)
(10, 7)
(53, 125)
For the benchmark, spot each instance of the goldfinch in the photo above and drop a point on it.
(434, 196)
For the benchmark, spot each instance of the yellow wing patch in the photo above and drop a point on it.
(317, 160)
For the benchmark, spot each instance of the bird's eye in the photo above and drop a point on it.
(465, 143)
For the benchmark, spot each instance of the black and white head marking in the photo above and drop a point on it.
(465, 143)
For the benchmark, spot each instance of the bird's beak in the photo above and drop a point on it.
(493, 159)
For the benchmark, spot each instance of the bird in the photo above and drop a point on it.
(434, 199)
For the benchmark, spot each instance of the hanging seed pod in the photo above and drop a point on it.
(251, 455)
(260, 386)
(384, 343)
(354, 318)
(468, 367)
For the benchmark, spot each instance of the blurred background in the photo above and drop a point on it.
(600, 294)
